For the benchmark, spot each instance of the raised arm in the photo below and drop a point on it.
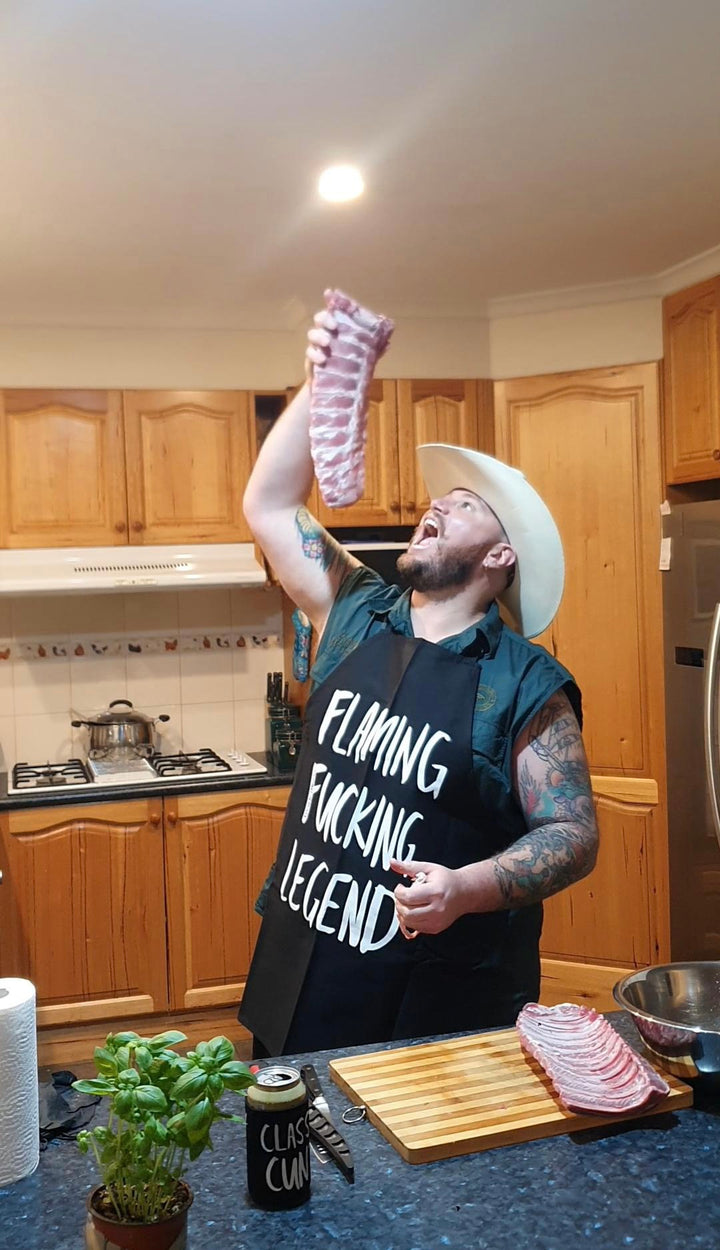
(308, 562)
(553, 788)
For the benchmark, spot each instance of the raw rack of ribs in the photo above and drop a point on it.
(339, 399)
(590, 1065)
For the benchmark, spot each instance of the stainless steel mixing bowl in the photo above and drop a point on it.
(676, 1008)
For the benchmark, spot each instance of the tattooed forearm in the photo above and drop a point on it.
(544, 861)
(554, 791)
(318, 545)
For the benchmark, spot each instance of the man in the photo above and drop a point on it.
(439, 748)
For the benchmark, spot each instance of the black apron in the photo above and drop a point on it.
(385, 771)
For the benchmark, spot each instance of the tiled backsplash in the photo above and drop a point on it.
(201, 656)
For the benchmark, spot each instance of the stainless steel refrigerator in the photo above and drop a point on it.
(691, 609)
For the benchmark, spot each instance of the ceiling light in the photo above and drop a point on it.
(341, 182)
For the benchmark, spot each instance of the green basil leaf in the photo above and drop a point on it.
(105, 1062)
(170, 1038)
(236, 1075)
(128, 1077)
(96, 1085)
(124, 1102)
(190, 1085)
(221, 1049)
(198, 1119)
(123, 1057)
(144, 1058)
(122, 1039)
(215, 1085)
(149, 1098)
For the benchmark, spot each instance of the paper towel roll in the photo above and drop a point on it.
(19, 1114)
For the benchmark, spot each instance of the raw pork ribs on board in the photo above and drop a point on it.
(339, 399)
(590, 1065)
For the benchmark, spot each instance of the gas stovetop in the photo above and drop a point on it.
(201, 766)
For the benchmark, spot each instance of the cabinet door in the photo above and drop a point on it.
(589, 442)
(606, 917)
(63, 469)
(380, 501)
(691, 332)
(219, 849)
(82, 909)
(188, 460)
(438, 412)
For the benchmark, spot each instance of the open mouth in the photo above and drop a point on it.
(427, 532)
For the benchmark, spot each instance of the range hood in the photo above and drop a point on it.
(63, 570)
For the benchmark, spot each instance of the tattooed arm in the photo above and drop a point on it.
(552, 784)
(308, 562)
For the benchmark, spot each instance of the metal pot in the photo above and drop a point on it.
(121, 731)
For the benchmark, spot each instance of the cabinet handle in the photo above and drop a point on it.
(137, 526)
(171, 818)
(716, 453)
(155, 818)
(119, 527)
(1, 876)
(394, 506)
(411, 505)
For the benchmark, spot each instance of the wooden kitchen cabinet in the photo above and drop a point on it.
(63, 467)
(82, 908)
(607, 917)
(117, 910)
(590, 444)
(431, 411)
(691, 339)
(106, 468)
(188, 455)
(219, 849)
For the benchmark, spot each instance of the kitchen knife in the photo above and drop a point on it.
(325, 1133)
(314, 1089)
(322, 1154)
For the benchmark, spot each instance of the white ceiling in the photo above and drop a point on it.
(158, 158)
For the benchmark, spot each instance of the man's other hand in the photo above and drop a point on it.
(432, 901)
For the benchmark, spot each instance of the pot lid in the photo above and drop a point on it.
(126, 714)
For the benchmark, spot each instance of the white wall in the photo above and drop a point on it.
(214, 697)
(628, 332)
(149, 359)
(502, 347)
(448, 348)
(216, 359)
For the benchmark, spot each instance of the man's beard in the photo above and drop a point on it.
(444, 571)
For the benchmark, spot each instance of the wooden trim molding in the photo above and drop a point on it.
(590, 985)
(627, 789)
(98, 1009)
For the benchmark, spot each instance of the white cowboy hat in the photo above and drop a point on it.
(535, 594)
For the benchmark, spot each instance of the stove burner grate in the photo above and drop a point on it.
(31, 776)
(189, 763)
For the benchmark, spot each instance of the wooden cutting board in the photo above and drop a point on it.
(443, 1099)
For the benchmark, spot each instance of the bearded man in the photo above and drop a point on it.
(442, 790)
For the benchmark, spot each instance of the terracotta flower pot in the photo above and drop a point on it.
(104, 1232)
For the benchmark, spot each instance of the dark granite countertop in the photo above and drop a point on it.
(96, 793)
(649, 1184)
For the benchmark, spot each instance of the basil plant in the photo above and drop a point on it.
(162, 1108)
